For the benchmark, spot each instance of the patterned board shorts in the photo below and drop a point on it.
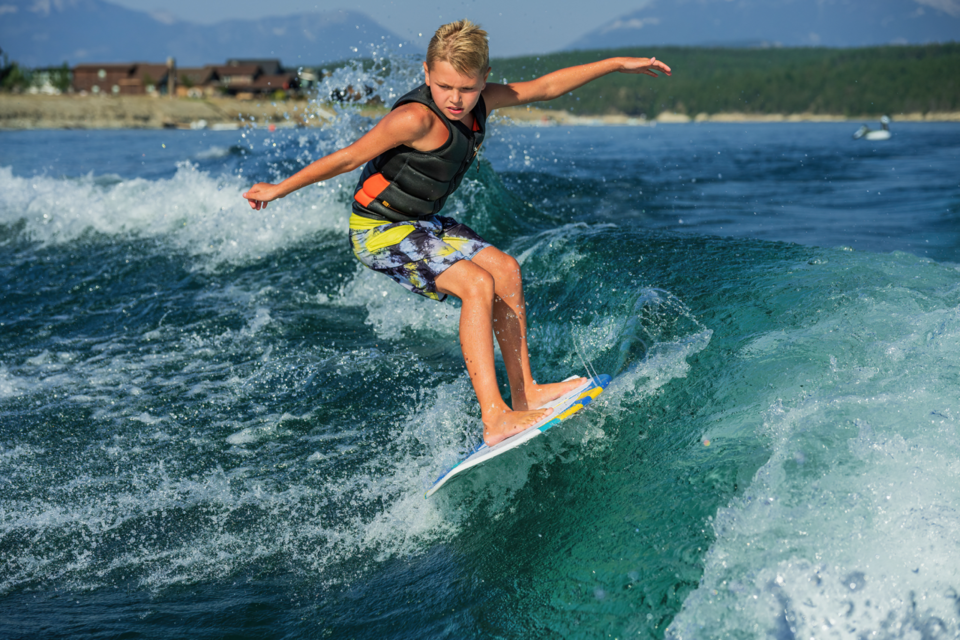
(415, 252)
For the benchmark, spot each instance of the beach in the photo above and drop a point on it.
(24, 112)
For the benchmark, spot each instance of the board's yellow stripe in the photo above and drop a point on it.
(569, 412)
(593, 393)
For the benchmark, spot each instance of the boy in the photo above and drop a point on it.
(415, 158)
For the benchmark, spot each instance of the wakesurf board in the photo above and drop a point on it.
(563, 408)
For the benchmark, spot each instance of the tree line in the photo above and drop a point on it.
(14, 77)
(850, 82)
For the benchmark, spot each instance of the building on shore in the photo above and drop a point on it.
(197, 82)
(248, 78)
(238, 78)
(126, 79)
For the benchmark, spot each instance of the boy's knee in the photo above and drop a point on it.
(471, 282)
(508, 270)
(480, 285)
(509, 264)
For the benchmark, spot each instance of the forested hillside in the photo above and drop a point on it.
(851, 82)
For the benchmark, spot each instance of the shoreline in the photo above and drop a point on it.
(532, 116)
(28, 112)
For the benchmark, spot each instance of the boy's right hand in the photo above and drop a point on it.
(260, 194)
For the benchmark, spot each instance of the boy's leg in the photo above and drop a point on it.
(433, 258)
(475, 288)
(510, 327)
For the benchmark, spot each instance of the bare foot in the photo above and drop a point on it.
(509, 423)
(541, 394)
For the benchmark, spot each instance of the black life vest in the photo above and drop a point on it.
(406, 184)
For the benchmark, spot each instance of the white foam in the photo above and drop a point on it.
(213, 153)
(556, 242)
(386, 512)
(195, 211)
(388, 77)
(9, 456)
(344, 495)
(391, 309)
(437, 433)
(248, 435)
(664, 362)
(244, 436)
(259, 321)
(851, 528)
(10, 385)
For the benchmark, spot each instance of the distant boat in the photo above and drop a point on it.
(871, 134)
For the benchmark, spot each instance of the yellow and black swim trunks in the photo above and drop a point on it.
(414, 252)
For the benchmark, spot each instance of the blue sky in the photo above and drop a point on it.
(516, 26)
(46, 32)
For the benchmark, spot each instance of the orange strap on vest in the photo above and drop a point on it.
(372, 187)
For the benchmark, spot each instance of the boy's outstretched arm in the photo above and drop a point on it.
(553, 85)
(406, 125)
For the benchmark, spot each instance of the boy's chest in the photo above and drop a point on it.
(462, 132)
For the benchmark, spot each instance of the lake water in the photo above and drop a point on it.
(215, 423)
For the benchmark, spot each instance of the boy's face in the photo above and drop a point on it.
(455, 93)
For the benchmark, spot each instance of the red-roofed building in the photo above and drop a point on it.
(243, 77)
(100, 78)
(127, 79)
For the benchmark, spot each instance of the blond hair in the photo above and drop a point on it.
(463, 44)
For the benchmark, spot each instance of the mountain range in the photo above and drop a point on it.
(789, 23)
(39, 33)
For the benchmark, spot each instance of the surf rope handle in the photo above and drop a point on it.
(592, 374)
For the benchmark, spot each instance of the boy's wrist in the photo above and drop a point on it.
(277, 191)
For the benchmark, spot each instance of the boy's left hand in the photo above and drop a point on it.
(645, 66)
(260, 194)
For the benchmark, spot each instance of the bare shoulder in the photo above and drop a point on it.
(415, 125)
(414, 117)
